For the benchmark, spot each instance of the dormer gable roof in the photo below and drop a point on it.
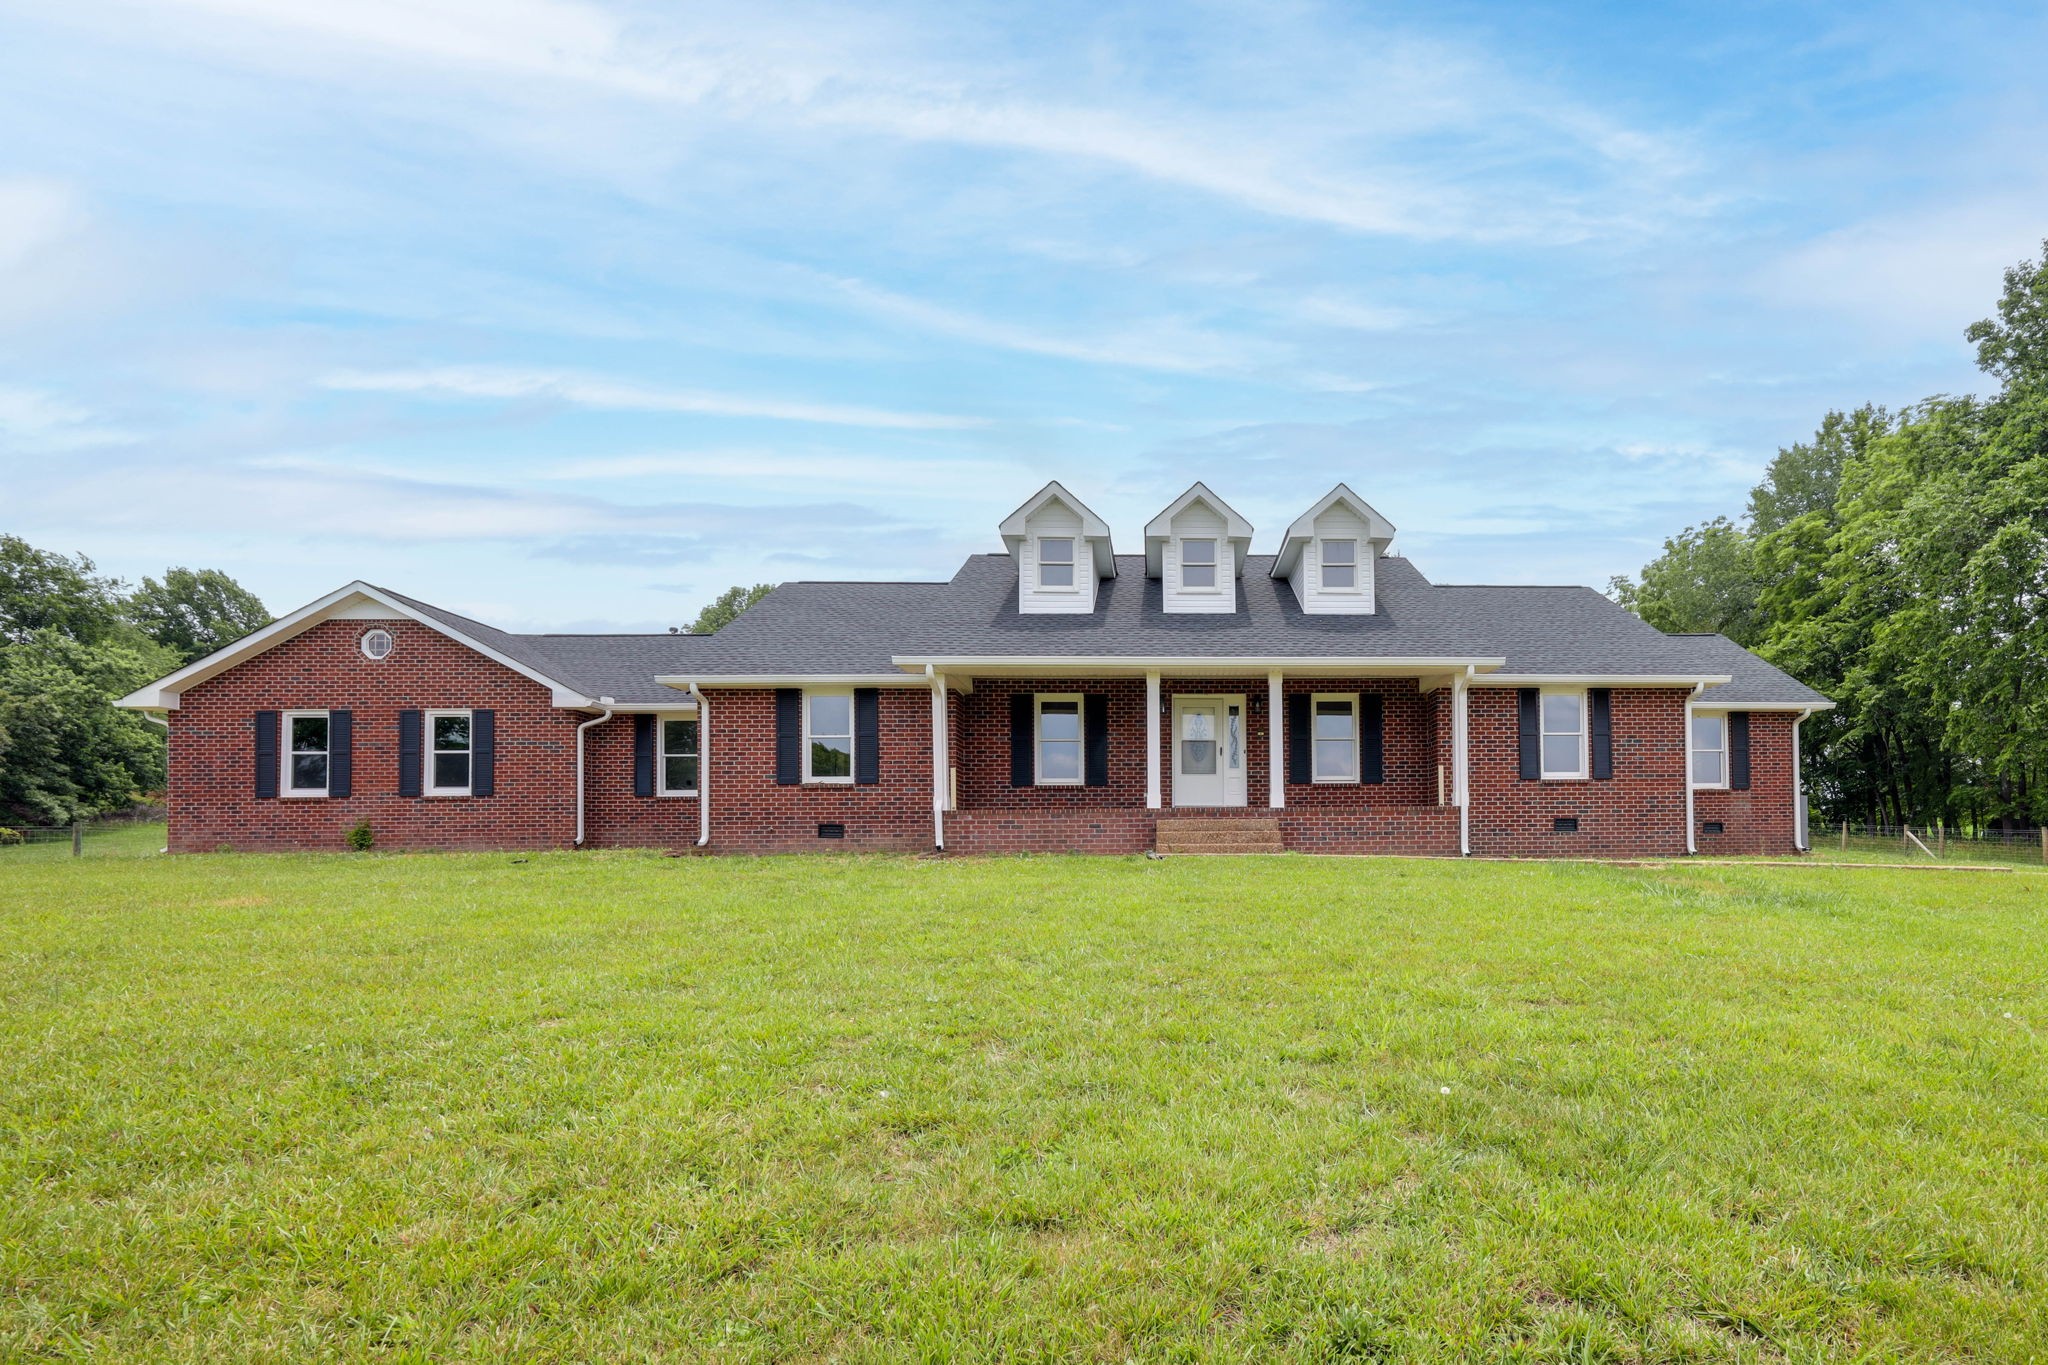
(1159, 530)
(1304, 528)
(1094, 529)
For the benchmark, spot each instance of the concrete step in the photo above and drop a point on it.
(1206, 840)
(1217, 834)
(1209, 850)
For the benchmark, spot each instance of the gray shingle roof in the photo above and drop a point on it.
(812, 629)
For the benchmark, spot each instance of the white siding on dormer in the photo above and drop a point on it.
(1055, 519)
(1336, 523)
(1198, 521)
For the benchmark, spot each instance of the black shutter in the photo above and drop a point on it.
(867, 736)
(483, 759)
(1300, 754)
(1372, 738)
(1531, 716)
(643, 755)
(1095, 739)
(1738, 750)
(408, 753)
(1601, 729)
(1020, 739)
(341, 753)
(789, 736)
(266, 754)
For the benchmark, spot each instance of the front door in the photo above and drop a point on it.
(1208, 751)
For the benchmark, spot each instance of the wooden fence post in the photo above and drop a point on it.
(1941, 840)
(2044, 843)
(77, 838)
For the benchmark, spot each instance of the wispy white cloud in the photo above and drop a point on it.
(36, 423)
(838, 468)
(460, 381)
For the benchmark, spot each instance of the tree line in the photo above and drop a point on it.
(1898, 562)
(73, 640)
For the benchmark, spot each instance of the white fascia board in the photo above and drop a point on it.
(1801, 706)
(1199, 665)
(1601, 680)
(164, 693)
(642, 708)
(683, 683)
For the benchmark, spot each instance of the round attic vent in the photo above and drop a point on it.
(376, 643)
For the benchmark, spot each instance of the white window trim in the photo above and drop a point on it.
(1038, 777)
(1074, 543)
(1720, 717)
(284, 757)
(661, 757)
(1215, 544)
(852, 742)
(1585, 770)
(1323, 565)
(427, 784)
(1350, 700)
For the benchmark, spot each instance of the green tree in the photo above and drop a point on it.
(728, 606)
(66, 754)
(193, 612)
(1704, 581)
(43, 590)
(2014, 345)
(1806, 477)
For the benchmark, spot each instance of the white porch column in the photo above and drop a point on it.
(1800, 840)
(1461, 757)
(1276, 730)
(1692, 843)
(1152, 741)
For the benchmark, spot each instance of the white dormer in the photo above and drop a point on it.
(1327, 555)
(1062, 552)
(1196, 549)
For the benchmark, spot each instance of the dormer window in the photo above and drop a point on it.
(1340, 566)
(1056, 562)
(1198, 564)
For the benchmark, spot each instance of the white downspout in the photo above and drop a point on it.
(703, 767)
(594, 720)
(1461, 758)
(1692, 844)
(1800, 833)
(940, 756)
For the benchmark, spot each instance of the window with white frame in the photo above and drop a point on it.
(1709, 749)
(1056, 562)
(1198, 564)
(1564, 734)
(678, 757)
(1335, 746)
(828, 736)
(449, 753)
(1340, 565)
(306, 755)
(1059, 741)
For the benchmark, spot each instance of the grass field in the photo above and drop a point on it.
(623, 1107)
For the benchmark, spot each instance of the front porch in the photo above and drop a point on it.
(1304, 761)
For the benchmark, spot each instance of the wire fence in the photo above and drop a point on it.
(111, 838)
(1929, 843)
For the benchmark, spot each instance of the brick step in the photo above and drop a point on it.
(1207, 850)
(1236, 824)
(1205, 838)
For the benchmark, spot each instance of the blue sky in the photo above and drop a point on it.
(569, 314)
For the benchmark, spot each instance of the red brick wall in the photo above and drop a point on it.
(983, 752)
(1639, 811)
(1759, 820)
(212, 748)
(750, 813)
(1409, 740)
(613, 817)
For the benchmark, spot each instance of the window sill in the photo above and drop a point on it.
(303, 796)
(1334, 782)
(1565, 777)
(828, 782)
(445, 796)
(665, 796)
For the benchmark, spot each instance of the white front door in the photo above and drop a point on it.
(1208, 751)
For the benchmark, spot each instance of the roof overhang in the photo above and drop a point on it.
(1159, 530)
(1093, 528)
(684, 683)
(344, 603)
(1601, 680)
(1380, 531)
(1196, 666)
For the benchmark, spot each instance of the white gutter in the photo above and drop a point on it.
(689, 684)
(594, 720)
(1696, 681)
(1692, 844)
(1461, 758)
(703, 767)
(940, 756)
(1211, 665)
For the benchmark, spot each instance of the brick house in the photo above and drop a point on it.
(1058, 696)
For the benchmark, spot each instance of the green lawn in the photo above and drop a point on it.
(598, 1106)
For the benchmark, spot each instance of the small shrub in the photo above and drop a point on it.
(12, 836)
(361, 838)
